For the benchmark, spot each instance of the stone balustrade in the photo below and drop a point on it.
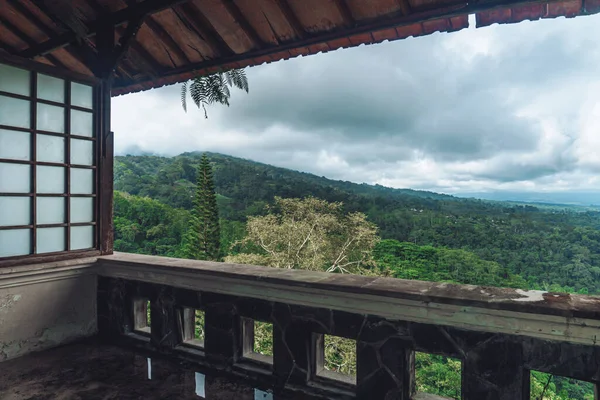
(499, 335)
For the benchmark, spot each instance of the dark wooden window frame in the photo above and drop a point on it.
(101, 166)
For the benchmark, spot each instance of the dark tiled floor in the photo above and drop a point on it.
(100, 372)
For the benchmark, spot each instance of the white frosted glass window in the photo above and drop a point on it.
(82, 209)
(82, 237)
(14, 112)
(50, 118)
(50, 148)
(15, 242)
(82, 123)
(50, 179)
(81, 95)
(15, 178)
(15, 211)
(50, 210)
(49, 240)
(82, 181)
(50, 88)
(14, 80)
(82, 152)
(15, 145)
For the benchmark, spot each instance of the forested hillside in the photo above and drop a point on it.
(524, 246)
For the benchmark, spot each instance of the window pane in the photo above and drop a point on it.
(50, 118)
(82, 181)
(14, 112)
(15, 178)
(81, 95)
(82, 123)
(49, 240)
(50, 210)
(82, 237)
(82, 209)
(15, 211)
(15, 242)
(82, 152)
(50, 179)
(50, 148)
(14, 80)
(49, 88)
(15, 145)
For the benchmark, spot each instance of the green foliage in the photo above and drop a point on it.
(203, 238)
(263, 338)
(199, 329)
(213, 88)
(146, 226)
(438, 375)
(340, 355)
(427, 263)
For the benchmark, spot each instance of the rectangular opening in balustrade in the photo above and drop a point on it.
(193, 327)
(438, 375)
(141, 315)
(548, 386)
(335, 358)
(257, 340)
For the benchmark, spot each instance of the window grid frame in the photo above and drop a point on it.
(66, 165)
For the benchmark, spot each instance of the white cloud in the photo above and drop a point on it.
(510, 107)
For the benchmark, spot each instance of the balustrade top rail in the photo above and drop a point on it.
(569, 317)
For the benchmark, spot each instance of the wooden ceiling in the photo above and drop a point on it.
(161, 42)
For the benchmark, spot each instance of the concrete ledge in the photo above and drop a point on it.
(560, 317)
(46, 272)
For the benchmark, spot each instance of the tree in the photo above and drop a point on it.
(202, 240)
(213, 88)
(309, 234)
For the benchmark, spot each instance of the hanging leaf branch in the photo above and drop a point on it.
(214, 88)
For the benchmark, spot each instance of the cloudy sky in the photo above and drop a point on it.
(511, 107)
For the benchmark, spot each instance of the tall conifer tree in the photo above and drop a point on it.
(202, 240)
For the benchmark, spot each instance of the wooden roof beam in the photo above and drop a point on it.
(115, 19)
(345, 12)
(167, 40)
(197, 22)
(142, 57)
(291, 18)
(23, 37)
(169, 43)
(42, 27)
(404, 7)
(239, 17)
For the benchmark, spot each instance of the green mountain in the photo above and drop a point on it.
(549, 248)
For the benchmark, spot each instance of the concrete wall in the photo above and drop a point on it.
(46, 305)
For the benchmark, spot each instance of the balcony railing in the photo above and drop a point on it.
(499, 335)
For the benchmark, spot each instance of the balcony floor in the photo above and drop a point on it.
(93, 372)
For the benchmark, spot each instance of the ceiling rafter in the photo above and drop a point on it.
(126, 40)
(345, 12)
(115, 19)
(141, 57)
(291, 18)
(156, 28)
(404, 7)
(193, 18)
(97, 7)
(42, 27)
(239, 17)
(166, 39)
(29, 41)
